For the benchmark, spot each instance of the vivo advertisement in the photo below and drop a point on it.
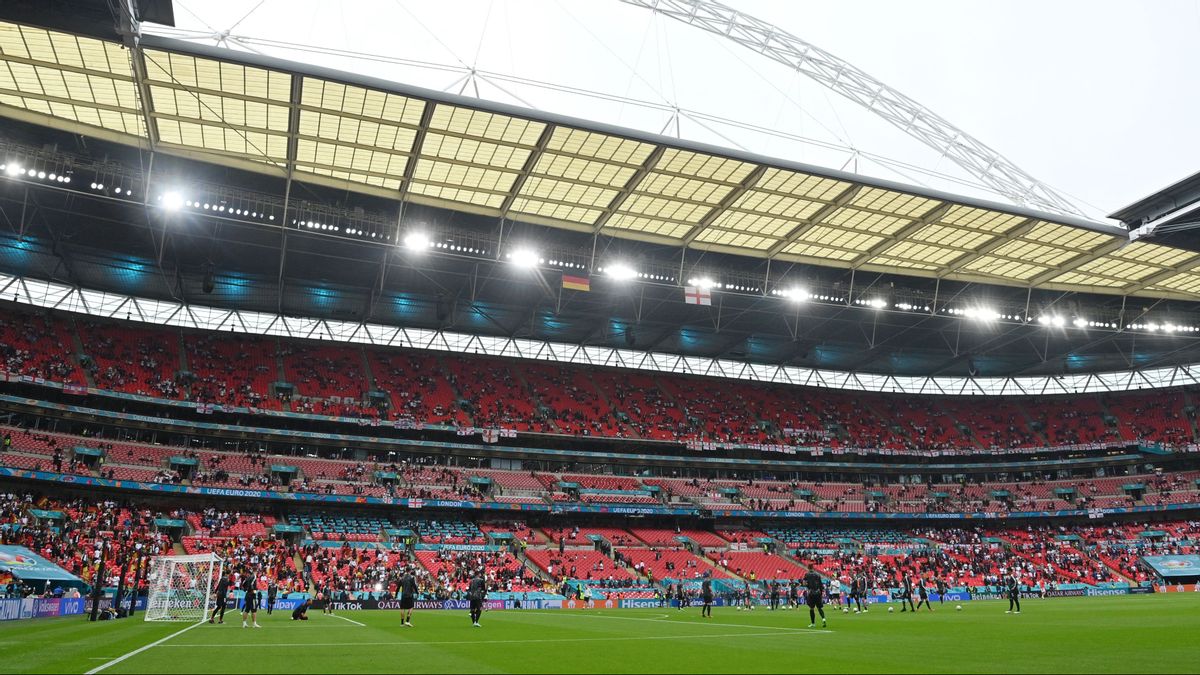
(38, 608)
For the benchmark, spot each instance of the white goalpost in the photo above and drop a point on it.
(181, 587)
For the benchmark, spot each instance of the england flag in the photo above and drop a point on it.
(694, 295)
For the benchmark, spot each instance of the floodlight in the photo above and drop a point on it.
(620, 272)
(524, 257)
(172, 201)
(796, 294)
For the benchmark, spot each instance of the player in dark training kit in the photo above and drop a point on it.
(706, 596)
(222, 598)
(923, 594)
(249, 599)
(272, 592)
(301, 611)
(408, 597)
(906, 591)
(814, 596)
(1014, 594)
(476, 593)
(941, 590)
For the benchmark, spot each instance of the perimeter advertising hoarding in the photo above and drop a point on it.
(460, 605)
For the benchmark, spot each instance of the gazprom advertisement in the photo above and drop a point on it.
(1174, 565)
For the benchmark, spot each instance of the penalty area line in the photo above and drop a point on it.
(139, 650)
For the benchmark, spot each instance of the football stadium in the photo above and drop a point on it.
(606, 337)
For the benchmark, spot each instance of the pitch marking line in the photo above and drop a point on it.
(338, 616)
(416, 643)
(704, 623)
(139, 650)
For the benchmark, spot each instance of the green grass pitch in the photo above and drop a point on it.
(1062, 635)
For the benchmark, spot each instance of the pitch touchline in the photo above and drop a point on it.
(415, 643)
(139, 650)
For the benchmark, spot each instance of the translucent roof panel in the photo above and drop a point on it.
(222, 107)
(1183, 282)
(1038, 250)
(803, 185)
(346, 131)
(478, 157)
(473, 157)
(65, 78)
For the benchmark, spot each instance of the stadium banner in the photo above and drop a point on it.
(1168, 566)
(461, 605)
(31, 567)
(486, 548)
(37, 608)
(655, 603)
(639, 603)
(91, 481)
(952, 596)
(1098, 592)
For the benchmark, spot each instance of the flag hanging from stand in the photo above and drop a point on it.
(576, 283)
(693, 295)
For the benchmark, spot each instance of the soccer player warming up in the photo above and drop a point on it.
(301, 611)
(1014, 594)
(859, 587)
(814, 591)
(906, 592)
(408, 597)
(222, 600)
(249, 598)
(923, 594)
(706, 595)
(476, 592)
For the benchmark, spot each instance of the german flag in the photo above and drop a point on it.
(576, 283)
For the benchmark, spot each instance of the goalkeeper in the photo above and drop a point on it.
(222, 600)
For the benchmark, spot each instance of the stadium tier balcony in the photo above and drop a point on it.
(500, 399)
(416, 386)
(537, 397)
(584, 536)
(617, 498)
(454, 570)
(232, 370)
(589, 565)
(39, 347)
(670, 563)
(132, 360)
(757, 566)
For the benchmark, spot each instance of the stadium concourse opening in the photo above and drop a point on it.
(306, 370)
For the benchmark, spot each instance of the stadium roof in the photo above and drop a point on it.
(1170, 215)
(376, 137)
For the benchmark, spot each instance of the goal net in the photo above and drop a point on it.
(181, 587)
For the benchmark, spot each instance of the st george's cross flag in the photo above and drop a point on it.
(693, 295)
